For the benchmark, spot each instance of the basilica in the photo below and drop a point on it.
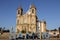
(28, 21)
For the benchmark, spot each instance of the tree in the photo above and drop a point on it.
(0, 29)
(55, 29)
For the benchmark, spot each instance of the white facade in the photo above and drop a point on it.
(41, 26)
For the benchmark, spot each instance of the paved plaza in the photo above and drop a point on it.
(36, 39)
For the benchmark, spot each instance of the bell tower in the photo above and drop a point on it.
(18, 17)
(32, 17)
(32, 9)
(19, 10)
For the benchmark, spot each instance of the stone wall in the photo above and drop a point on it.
(4, 36)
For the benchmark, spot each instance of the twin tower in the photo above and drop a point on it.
(27, 22)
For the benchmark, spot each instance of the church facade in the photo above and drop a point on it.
(27, 22)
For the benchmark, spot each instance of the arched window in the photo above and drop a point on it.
(17, 21)
(18, 11)
(32, 10)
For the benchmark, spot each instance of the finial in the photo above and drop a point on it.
(32, 6)
(19, 7)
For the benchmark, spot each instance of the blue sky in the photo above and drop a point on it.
(48, 10)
